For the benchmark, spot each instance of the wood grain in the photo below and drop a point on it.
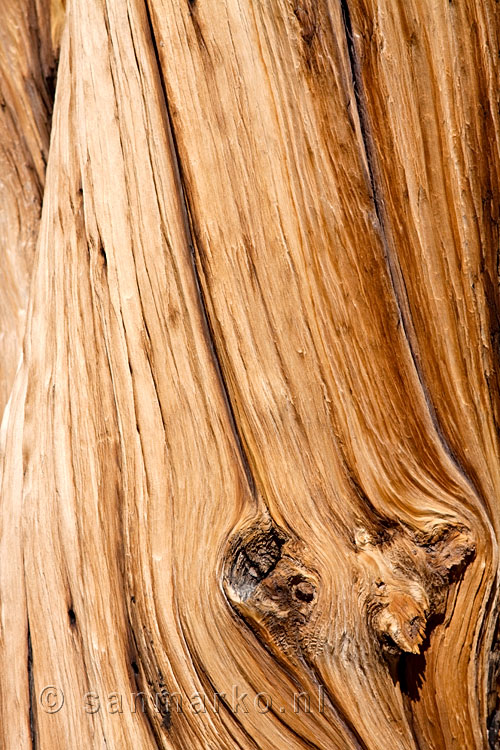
(252, 445)
(28, 53)
(29, 39)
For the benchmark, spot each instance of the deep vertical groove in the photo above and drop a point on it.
(361, 109)
(209, 332)
(401, 294)
(395, 273)
(32, 697)
(493, 715)
(136, 651)
(396, 276)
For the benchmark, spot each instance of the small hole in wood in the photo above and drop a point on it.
(304, 591)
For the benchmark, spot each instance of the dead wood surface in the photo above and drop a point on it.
(252, 444)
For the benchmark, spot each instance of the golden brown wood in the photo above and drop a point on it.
(27, 69)
(251, 452)
(29, 37)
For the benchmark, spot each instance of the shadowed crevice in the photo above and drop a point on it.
(493, 707)
(395, 273)
(32, 696)
(190, 236)
(137, 678)
(411, 668)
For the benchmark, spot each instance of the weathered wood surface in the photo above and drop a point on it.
(29, 34)
(28, 47)
(253, 442)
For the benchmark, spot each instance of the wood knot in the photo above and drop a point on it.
(410, 577)
(399, 617)
(253, 555)
(269, 586)
(304, 591)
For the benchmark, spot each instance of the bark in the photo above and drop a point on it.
(251, 451)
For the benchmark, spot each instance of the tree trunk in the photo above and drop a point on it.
(249, 462)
